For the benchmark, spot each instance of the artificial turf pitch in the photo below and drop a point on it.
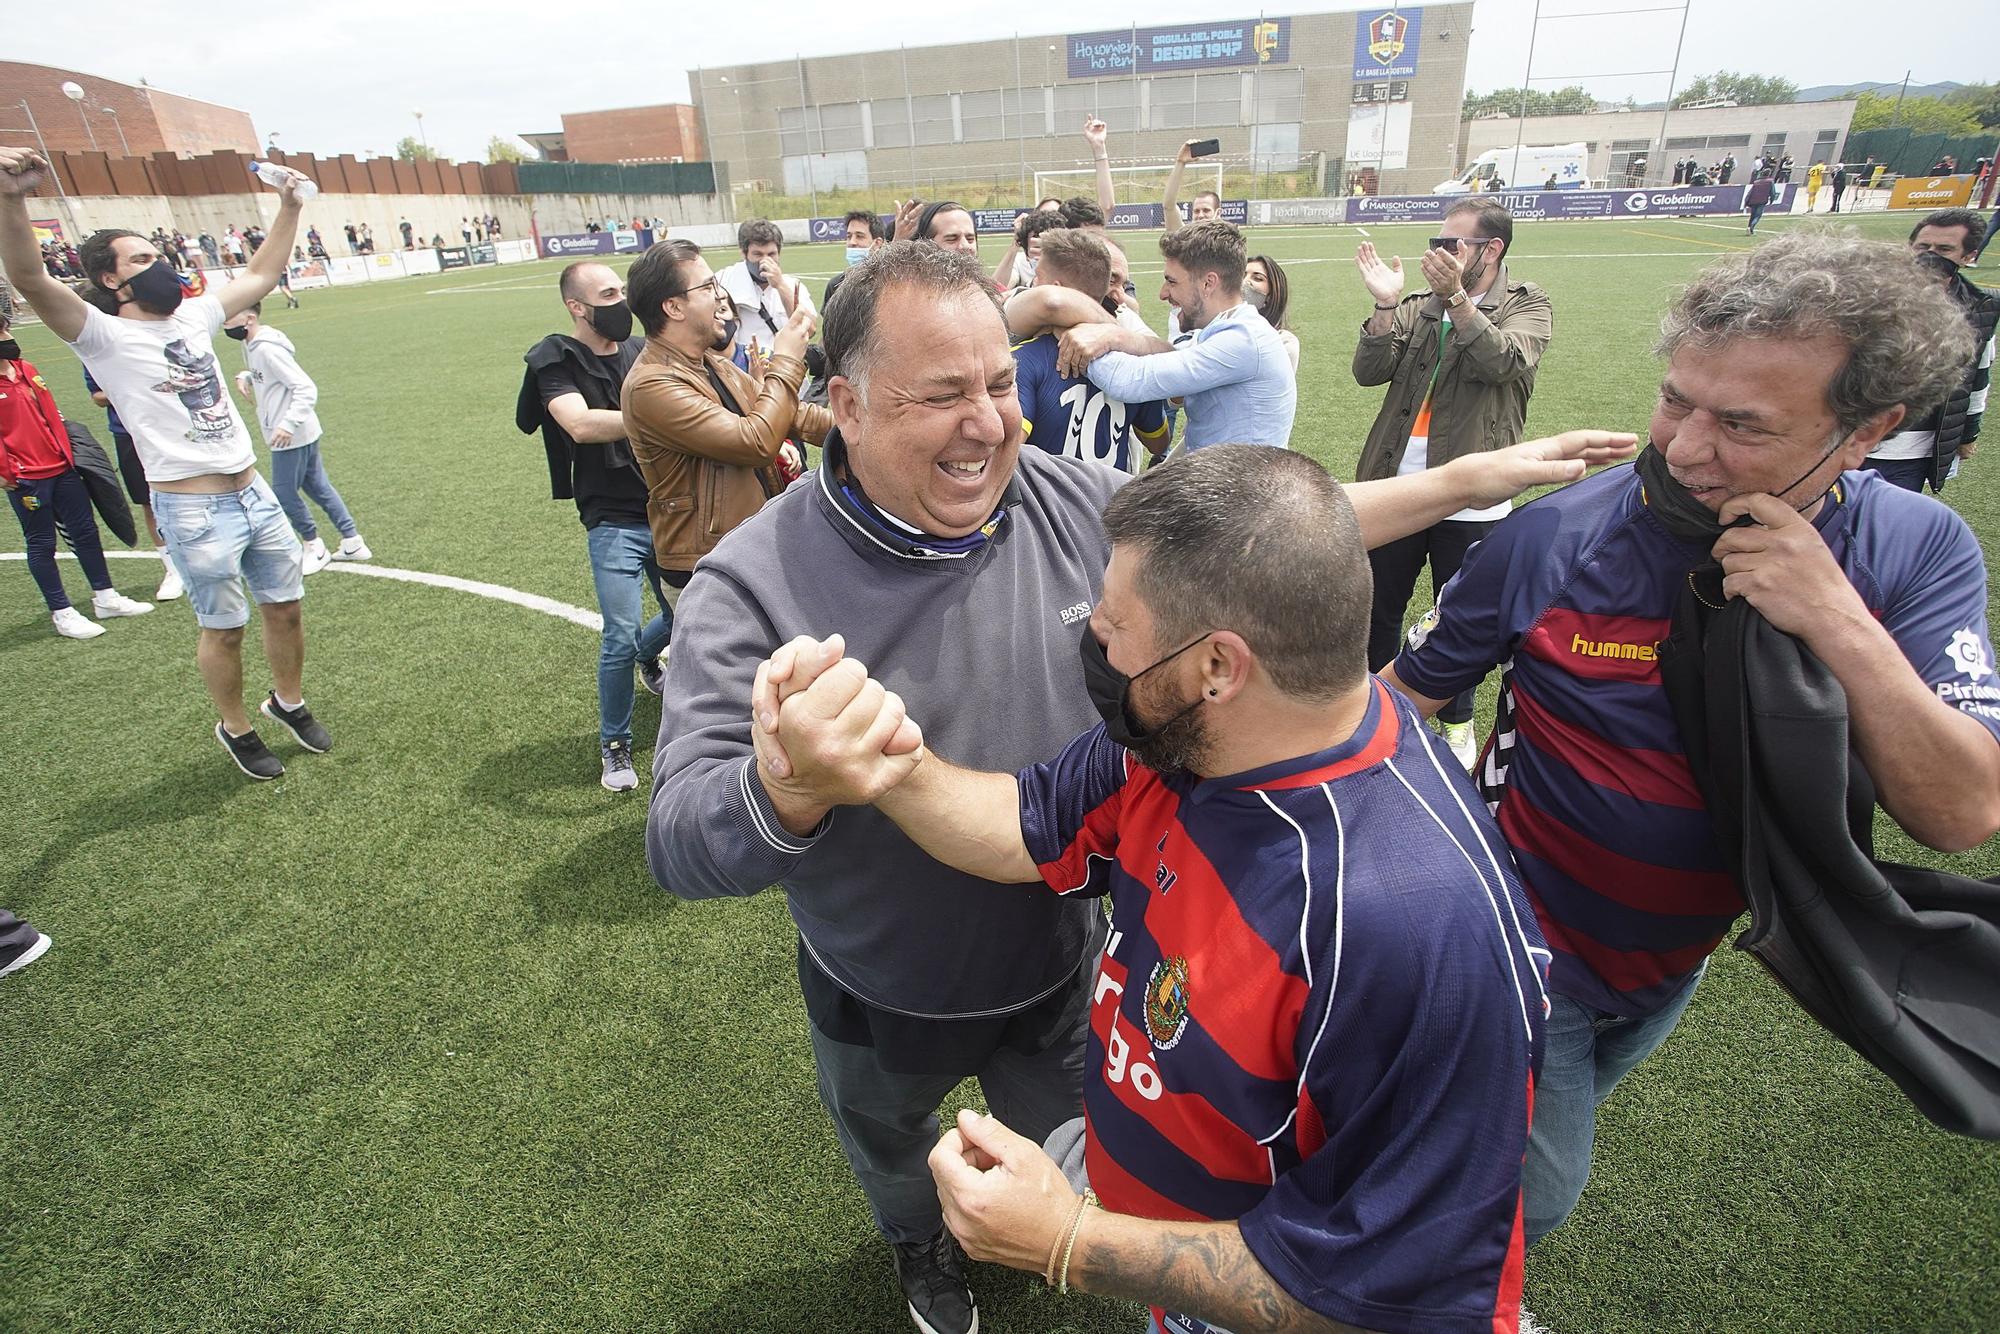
(410, 1040)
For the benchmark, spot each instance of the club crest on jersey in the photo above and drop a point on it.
(1167, 1002)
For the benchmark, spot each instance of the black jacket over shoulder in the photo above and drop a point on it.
(600, 391)
(1902, 963)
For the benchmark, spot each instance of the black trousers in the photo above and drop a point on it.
(1396, 565)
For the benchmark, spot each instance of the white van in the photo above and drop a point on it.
(1520, 169)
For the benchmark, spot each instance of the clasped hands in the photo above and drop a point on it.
(826, 733)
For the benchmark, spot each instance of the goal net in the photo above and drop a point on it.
(1146, 184)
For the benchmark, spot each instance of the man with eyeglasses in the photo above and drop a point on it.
(1459, 357)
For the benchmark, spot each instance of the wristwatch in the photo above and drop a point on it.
(1456, 298)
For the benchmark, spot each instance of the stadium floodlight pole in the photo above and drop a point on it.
(1668, 109)
(422, 138)
(35, 129)
(124, 146)
(1138, 117)
(806, 117)
(1527, 81)
(1896, 116)
(909, 122)
(74, 92)
(1020, 113)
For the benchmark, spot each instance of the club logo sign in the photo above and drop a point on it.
(1385, 37)
(1264, 41)
(1385, 46)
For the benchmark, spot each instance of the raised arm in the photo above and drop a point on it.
(1170, 198)
(62, 310)
(1098, 134)
(1050, 309)
(261, 274)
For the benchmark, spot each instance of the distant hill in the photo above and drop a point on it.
(1827, 92)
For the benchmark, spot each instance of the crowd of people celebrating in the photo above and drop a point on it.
(1075, 715)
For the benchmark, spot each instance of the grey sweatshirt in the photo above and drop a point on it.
(286, 395)
(984, 652)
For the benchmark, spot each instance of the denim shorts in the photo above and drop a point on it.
(221, 542)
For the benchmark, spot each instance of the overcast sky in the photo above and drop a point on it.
(336, 85)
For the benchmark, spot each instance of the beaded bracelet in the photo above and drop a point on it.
(1075, 1230)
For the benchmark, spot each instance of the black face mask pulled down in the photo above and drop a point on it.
(156, 289)
(9, 350)
(240, 332)
(1686, 518)
(613, 321)
(1111, 692)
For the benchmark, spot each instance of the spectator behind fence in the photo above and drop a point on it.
(1459, 357)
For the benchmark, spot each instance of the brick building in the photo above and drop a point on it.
(140, 120)
(669, 132)
(1373, 90)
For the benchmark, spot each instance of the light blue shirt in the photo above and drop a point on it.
(1234, 374)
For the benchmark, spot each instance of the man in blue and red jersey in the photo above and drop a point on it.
(1314, 1029)
(1067, 414)
(1786, 365)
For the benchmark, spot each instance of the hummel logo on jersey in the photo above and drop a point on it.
(1611, 648)
(1163, 879)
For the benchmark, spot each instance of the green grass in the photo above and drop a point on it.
(410, 1040)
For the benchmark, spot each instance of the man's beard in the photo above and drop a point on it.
(1178, 747)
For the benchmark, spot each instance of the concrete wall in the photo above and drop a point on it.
(1799, 123)
(153, 121)
(428, 214)
(1042, 109)
(634, 134)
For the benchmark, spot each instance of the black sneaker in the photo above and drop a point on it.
(933, 1280)
(250, 753)
(653, 677)
(23, 952)
(299, 722)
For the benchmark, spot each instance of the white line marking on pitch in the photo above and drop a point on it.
(589, 620)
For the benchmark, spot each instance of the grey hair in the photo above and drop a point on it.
(1260, 541)
(849, 333)
(1907, 341)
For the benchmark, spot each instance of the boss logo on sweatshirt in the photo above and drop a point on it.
(1075, 612)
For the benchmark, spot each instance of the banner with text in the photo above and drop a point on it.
(1539, 205)
(988, 221)
(1189, 46)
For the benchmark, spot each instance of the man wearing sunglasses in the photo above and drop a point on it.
(1459, 357)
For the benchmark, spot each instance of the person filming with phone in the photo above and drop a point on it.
(765, 295)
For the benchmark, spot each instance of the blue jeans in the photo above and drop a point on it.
(621, 565)
(59, 504)
(1755, 213)
(1586, 1051)
(220, 542)
(297, 469)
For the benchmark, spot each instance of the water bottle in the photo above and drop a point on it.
(275, 176)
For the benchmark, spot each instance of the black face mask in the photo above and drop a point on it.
(240, 333)
(613, 321)
(1686, 518)
(9, 350)
(1111, 692)
(156, 289)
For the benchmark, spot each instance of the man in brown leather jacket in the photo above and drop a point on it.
(710, 439)
(1459, 355)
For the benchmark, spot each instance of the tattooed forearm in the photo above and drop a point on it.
(1202, 1269)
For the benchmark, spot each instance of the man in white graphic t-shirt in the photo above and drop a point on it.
(150, 348)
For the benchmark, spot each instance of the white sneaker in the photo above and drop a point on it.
(73, 624)
(1464, 743)
(171, 588)
(111, 604)
(317, 558)
(353, 548)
